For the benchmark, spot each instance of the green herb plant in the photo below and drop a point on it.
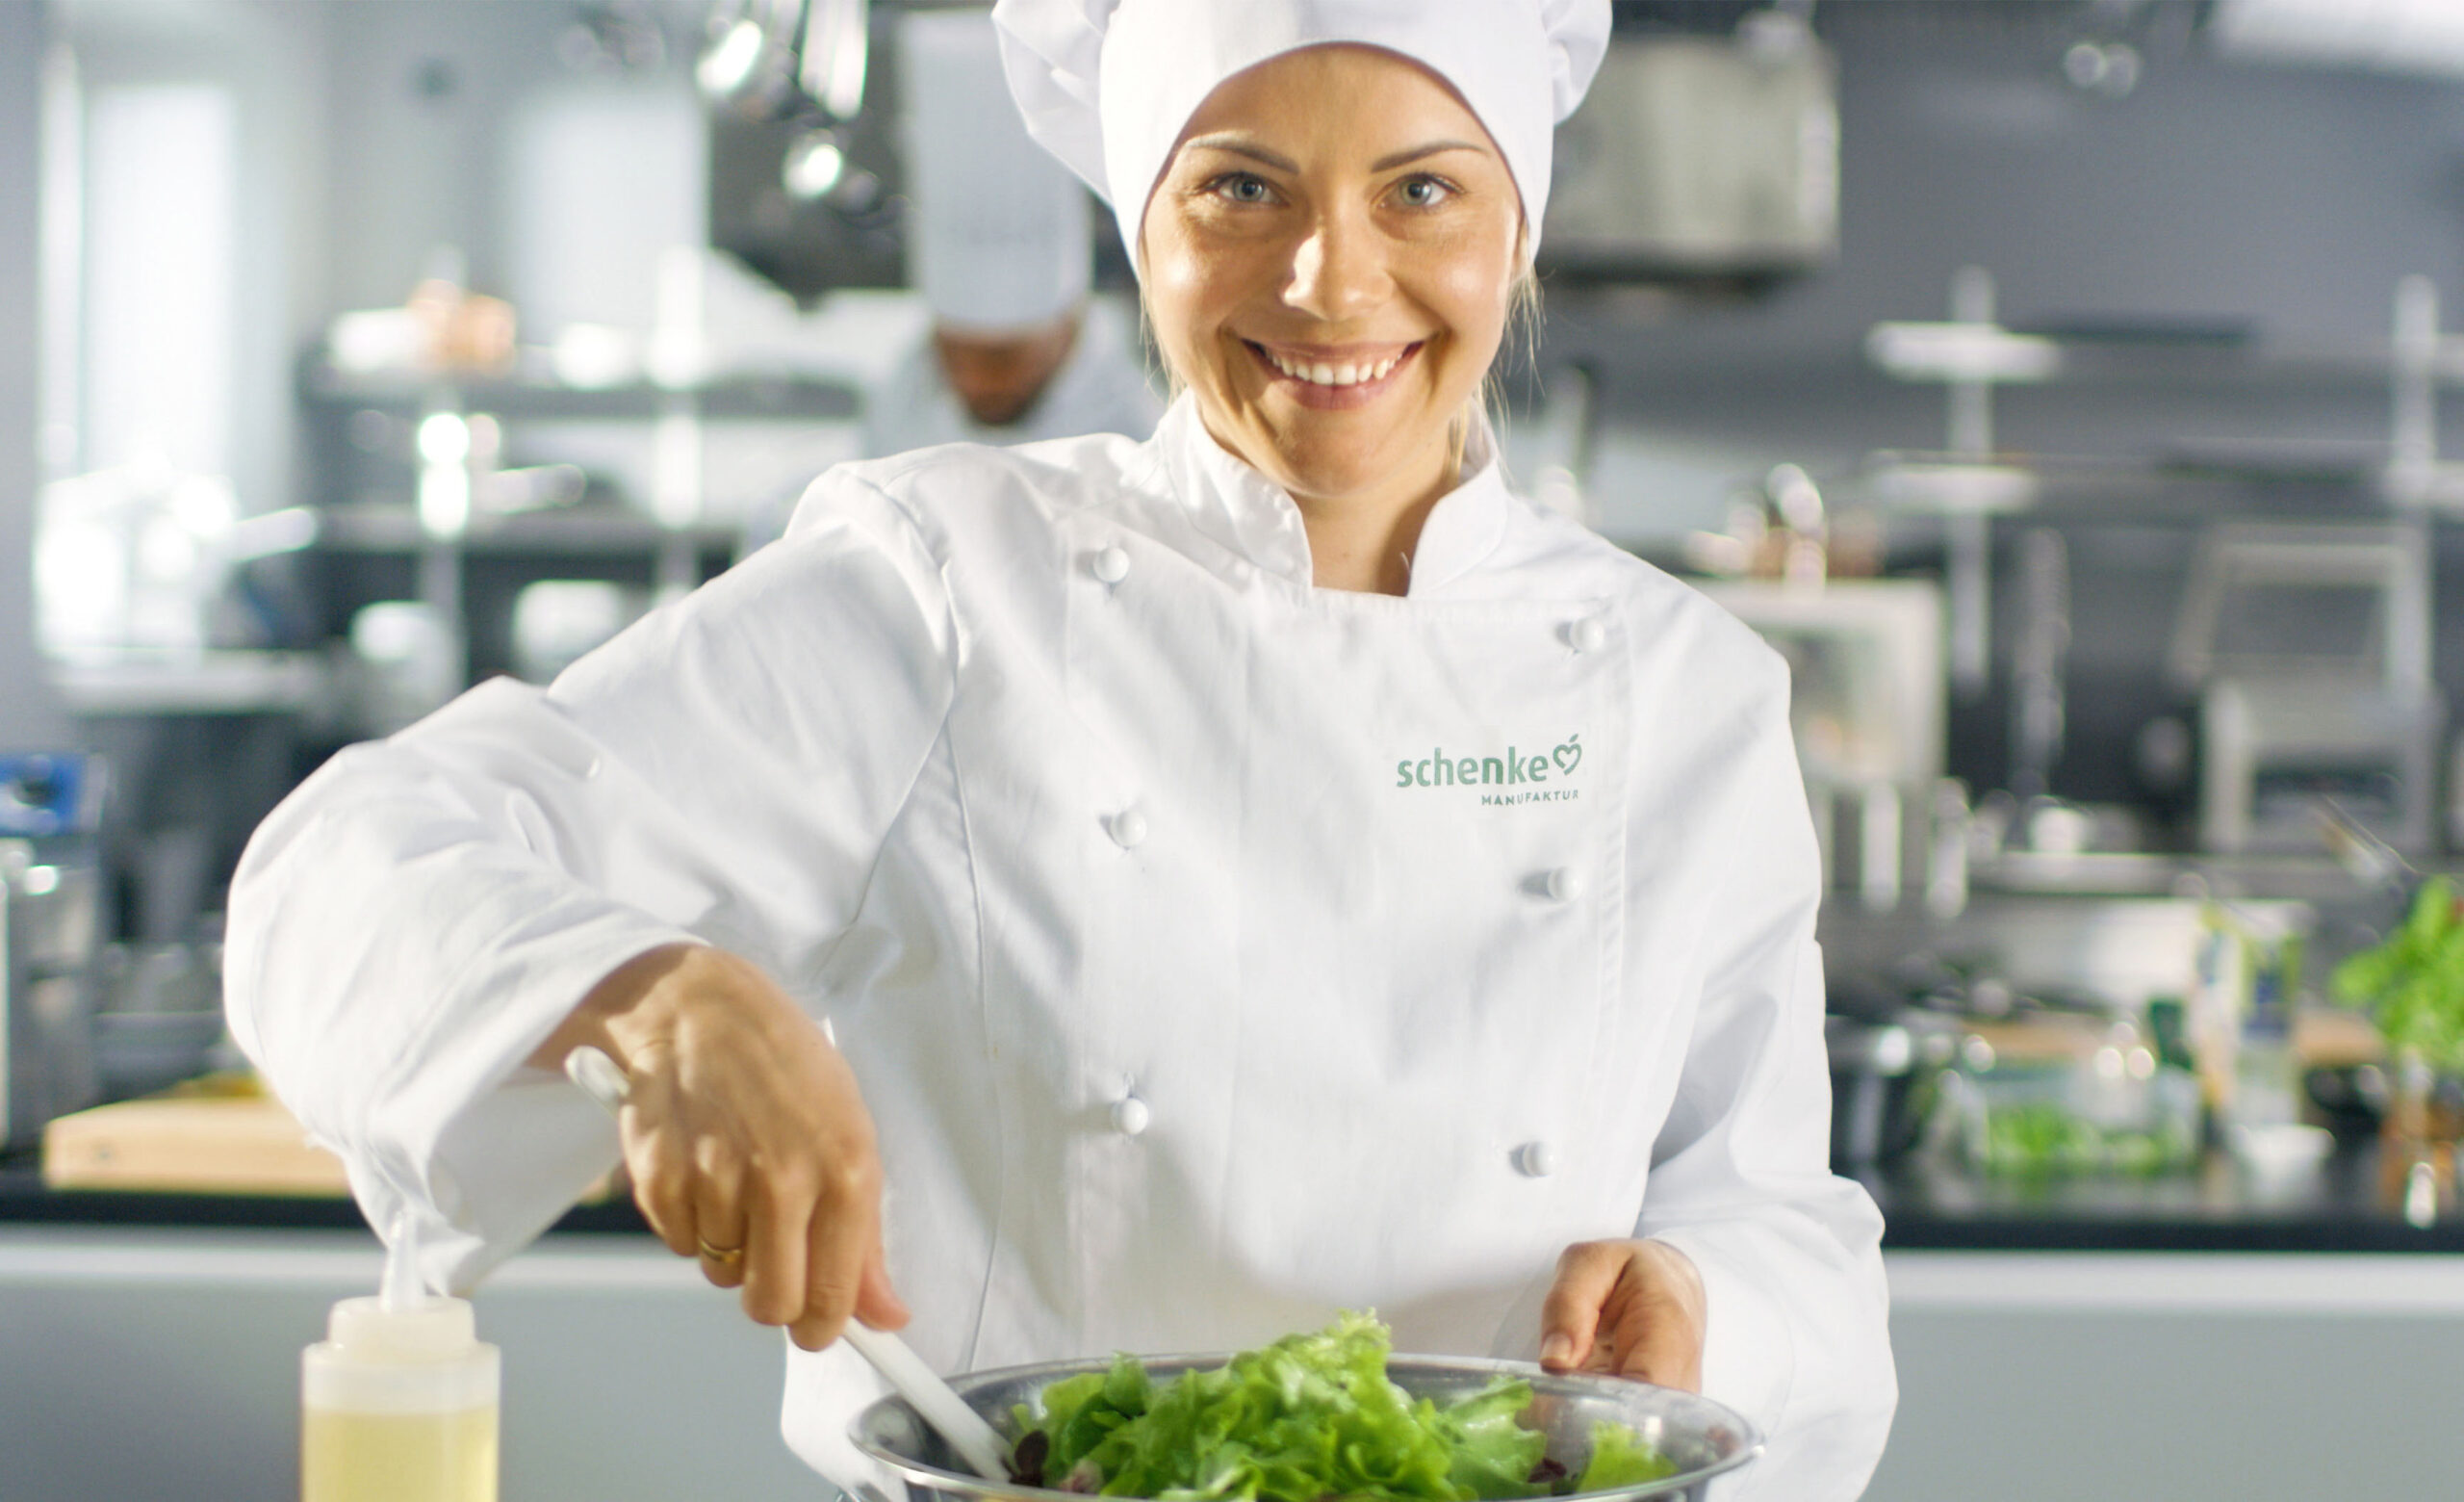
(1308, 1417)
(2413, 983)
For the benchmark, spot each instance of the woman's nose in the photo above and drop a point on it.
(1338, 272)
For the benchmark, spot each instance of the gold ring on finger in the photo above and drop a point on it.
(725, 1256)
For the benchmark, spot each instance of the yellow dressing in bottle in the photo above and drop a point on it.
(399, 1402)
(347, 1457)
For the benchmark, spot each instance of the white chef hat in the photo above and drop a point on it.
(999, 235)
(1108, 85)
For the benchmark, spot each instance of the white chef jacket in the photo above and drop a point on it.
(1101, 387)
(1429, 934)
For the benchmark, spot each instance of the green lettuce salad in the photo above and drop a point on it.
(1309, 1417)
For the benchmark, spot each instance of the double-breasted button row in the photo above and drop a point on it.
(1110, 564)
(1565, 884)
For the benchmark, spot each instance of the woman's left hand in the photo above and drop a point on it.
(1630, 1309)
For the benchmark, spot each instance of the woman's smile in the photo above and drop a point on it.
(1333, 379)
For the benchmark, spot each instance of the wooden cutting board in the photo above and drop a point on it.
(200, 1143)
(221, 1134)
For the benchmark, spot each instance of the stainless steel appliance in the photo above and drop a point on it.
(1865, 661)
(2310, 646)
(50, 917)
(1886, 1069)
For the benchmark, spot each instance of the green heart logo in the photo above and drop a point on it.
(1569, 756)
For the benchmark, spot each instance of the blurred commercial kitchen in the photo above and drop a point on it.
(2060, 383)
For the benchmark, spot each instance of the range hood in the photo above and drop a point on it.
(1700, 158)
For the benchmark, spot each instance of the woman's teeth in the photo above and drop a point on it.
(1321, 373)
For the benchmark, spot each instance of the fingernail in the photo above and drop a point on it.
(1556, 1349)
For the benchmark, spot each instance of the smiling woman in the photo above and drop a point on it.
(1258, 870)
(1329, 262)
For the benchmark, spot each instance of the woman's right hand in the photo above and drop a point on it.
(744, 1134)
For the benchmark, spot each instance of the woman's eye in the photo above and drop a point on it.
(1423, 192)
(1243, 188)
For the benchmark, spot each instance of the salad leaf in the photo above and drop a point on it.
(1493, 1455)
(1621, 1458)
(1308, 1417)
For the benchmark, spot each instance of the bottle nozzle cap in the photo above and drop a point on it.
(434, 1329)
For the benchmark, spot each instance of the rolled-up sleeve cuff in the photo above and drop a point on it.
(484, 1151)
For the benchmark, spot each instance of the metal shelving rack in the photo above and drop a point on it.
(443, 531)
(1968, 485)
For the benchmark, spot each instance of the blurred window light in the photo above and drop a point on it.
(160, 346)
(599, 178)
(2399, 36)
(62, 231)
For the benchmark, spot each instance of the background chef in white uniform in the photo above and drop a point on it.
(1000, 245)
(1262, 869)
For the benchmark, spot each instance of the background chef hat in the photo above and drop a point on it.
(1108, 85)
(999, 234)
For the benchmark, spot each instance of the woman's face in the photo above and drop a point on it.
(1328, 262)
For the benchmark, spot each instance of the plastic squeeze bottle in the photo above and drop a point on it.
(399, 1402)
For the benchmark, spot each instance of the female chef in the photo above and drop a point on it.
(1259, 870)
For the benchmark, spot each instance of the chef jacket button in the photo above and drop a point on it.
(1112, 566)
(1588, 635)
(1128, 828)
(1130, 1116)
(1535, 1160)
(1565, 883)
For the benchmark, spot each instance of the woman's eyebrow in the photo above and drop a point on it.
(1386, 164)
(1240, 147)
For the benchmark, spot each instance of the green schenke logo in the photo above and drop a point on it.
(1523, 778)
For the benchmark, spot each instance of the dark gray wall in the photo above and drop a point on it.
(2287, 201)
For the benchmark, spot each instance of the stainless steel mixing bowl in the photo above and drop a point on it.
(1704, 1438)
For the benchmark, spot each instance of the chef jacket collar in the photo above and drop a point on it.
(1257, 519)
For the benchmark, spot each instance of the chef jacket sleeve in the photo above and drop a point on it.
(416, 918)
(1790, 1254)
